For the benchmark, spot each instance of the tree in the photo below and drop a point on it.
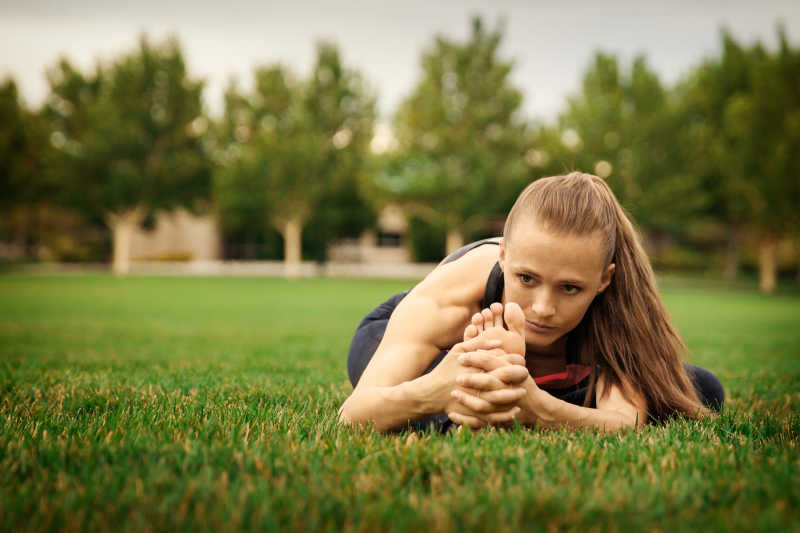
(293, 152)
(459, 137)
(704, 97)
(746, 134)
(763, 130)
(622, 126)
(129, 137)
(23, 143)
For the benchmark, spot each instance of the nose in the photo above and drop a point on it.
(543, 305)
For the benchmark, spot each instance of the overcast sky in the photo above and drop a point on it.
(551, 43)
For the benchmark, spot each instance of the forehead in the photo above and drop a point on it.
(557, 254)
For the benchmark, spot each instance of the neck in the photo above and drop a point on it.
(546, 360)
(552, 351)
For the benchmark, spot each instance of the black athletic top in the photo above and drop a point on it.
(570, 385)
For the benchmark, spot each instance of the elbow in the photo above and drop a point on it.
(352, 414)
(628, 421)
(349, 416)
(345, 415)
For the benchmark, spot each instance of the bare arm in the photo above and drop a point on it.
(392, 390)
(613, 411)
(540, 409)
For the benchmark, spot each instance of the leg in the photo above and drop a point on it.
(708, 387)
(368, 336)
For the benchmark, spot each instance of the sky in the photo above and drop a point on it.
(550, 43)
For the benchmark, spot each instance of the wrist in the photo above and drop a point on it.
(429, 395)
(534, 404)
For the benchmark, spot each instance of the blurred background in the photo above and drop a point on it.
(363, 138)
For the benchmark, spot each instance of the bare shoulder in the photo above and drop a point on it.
(457, 288)
(432, 317)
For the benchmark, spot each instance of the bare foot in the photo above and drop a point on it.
(489, 322)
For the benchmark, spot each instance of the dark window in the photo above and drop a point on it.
(389, 240)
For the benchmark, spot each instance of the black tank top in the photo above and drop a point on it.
(494, 285)
(571, 385)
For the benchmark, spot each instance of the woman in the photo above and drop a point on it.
(559, 323)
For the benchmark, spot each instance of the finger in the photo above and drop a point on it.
(464, 420)
(514, 359)
(503, 396)
(487, 360)
(480, 381)
(503, 417)
(472, 402)
(478, 343)
(510, 374)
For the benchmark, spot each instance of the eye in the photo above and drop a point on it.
(572, 289)
(525, 278)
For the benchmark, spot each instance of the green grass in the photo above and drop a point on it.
(185, 404)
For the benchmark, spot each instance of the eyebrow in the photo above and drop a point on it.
(565, 281)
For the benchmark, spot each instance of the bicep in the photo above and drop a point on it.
(410, 343)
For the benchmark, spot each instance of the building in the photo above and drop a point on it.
(182, 236)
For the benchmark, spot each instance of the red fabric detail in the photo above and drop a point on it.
(573, 375)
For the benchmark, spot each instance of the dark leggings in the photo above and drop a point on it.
(370, 333)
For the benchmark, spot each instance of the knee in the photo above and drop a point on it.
(708, 387)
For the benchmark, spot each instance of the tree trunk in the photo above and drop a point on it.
(455, 240)
(292, 232)
(767, 266)
(732, 257)
(122, 226)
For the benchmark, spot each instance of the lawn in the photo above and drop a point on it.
(185, 404)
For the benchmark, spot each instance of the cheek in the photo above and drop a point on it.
(575, 308)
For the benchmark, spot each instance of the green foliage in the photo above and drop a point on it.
(743, 110)
(128, 135)
(622, 126)
(35, 223)
(188, 404)
(296, 150)
(23, 141)
(427, 240)
(459, 135)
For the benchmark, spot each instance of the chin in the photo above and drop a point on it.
(539, 340)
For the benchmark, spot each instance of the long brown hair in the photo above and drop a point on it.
(626, 330)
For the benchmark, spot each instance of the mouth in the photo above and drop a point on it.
(539, 328)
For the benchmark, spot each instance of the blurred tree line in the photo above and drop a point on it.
(707, 167)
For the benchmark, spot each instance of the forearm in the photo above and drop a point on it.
(540, 409)
(394, 406)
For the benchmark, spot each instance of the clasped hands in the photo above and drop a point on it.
(487, 386)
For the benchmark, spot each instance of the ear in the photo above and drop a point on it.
(501, 258)
(608, 274)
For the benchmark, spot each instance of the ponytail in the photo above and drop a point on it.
(627, 332)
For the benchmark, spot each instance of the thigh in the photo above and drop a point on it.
(368, 336)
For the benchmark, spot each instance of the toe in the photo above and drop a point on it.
(470, 332)
(477, 321)
(488, 318)
(497, 314)
(515, 319)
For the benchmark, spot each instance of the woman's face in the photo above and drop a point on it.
(553, 277)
